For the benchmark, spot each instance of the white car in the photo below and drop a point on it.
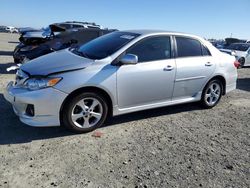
(119, 73)
(11, 29)
(241, 51)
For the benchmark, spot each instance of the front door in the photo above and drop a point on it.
(151, 80)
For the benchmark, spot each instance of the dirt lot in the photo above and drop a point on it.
(180, 146)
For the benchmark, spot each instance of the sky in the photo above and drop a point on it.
(207, 18)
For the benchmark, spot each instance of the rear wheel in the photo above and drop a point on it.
(85, 112)
(242, 62)
(212, 94)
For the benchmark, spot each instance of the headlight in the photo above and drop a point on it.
(40, 83)
(27, 48)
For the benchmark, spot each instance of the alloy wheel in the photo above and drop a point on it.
(213, 94)
(87, 112)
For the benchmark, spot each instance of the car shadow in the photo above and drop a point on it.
(4, 66)
(146, 114)
(243, 84)
(6, 53)
(13, 42)
(12, 131)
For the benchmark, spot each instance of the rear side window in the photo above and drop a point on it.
(152, 49)
(77, 26)
(205, 51)
(187, 47)
(66, 26)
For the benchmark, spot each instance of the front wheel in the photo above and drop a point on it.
(211, 94)
(84, 112)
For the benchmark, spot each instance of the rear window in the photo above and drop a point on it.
(188, 47)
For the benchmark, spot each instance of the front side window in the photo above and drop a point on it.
(152, 49)
(188, 47)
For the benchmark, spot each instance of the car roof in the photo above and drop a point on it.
(148, 32)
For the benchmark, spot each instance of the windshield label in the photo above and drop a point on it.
(129, 37)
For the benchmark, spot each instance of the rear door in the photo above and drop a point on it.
(194, 64)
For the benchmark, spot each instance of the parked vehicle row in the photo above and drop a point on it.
(8, 29)
(241, 51)
(119, 73)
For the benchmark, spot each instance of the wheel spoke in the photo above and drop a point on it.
(216, 87)
(211, 88)
(86, 122)
(94, 104)
(82, 105)
(210, 100)
(76, 116)
(96, 115)
(216, 95)
(208, 95)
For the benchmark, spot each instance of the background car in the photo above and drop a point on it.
(119, 73)
(11, 29)
(54, 38)
(241, 51)
(30, 35)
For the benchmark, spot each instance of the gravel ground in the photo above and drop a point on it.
(179, 146)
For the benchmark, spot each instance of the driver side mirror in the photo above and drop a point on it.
(129, 59)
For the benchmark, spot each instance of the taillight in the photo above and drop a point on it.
(236, 64)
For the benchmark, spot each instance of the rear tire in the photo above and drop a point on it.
(242, 62)
(211, 94)
(84, 112)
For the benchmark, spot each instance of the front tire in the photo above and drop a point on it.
(84, 112)
(212, 94)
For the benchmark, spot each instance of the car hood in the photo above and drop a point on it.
(60, 61)
(36, 34)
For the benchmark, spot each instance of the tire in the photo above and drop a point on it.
(84, 112)
(17, 61)
(242, 62)
(211, 94)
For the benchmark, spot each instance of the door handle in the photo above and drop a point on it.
(168, 68)
(208, 64)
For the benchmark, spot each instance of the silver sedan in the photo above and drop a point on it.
(122, 72)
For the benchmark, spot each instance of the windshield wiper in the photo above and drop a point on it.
(84, 54)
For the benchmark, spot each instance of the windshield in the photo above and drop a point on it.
(106, 45)
(239, 47)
